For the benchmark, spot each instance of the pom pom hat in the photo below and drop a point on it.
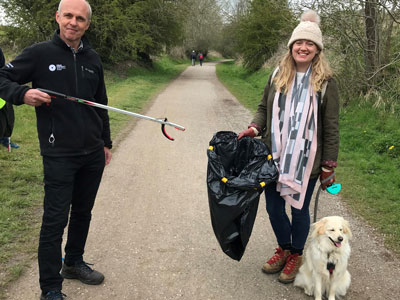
(308, 29)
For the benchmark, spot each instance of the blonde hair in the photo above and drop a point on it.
(321, 72)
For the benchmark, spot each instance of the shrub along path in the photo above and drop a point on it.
(151, 233)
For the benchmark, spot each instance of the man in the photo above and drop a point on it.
(74, 140)
(193, 57)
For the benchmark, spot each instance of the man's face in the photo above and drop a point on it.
(73, 20)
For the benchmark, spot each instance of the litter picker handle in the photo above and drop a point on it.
(95, 104)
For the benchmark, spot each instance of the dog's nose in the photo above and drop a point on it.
(340, 238)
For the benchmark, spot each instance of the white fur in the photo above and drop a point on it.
(313, 275)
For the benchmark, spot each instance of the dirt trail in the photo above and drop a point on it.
(151, 233)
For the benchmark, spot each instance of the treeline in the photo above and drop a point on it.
(361, 37)
(122, 30)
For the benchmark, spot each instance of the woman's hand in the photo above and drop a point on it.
(251, 132)
(325, 173)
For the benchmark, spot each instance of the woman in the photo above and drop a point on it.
(298, 120)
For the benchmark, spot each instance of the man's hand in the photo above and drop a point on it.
(325, 173)
(108, 155)
(248, 132)
(35, 97)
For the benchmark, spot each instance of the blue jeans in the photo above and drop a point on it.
(289, 233)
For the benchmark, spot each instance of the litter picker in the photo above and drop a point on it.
(163, 122)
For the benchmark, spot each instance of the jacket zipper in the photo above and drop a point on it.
(76, 71)
(52, 138)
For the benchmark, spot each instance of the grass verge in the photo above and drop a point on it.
(369, 158)
(247, 87)
(21, 189)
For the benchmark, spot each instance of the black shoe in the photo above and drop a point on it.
(53, 295)
(82, 272)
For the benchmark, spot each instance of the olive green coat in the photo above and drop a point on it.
(327, 124)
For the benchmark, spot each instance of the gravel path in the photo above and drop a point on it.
(151, 233)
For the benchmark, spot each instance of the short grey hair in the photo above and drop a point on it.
(89, 8)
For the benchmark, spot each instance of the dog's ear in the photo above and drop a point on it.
(318, 228)
(346, 229)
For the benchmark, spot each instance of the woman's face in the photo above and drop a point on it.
(303, 52)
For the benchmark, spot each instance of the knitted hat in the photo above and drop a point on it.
(308, 29)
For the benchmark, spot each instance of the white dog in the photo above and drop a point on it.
(324, 269)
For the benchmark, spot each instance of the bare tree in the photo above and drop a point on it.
(372, 40)
(360, 35)
(203, 24)
(233, 9)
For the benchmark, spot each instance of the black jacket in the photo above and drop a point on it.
(7, 111)
(77, 129)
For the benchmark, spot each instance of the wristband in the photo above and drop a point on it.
(255, 130)
(326, 170)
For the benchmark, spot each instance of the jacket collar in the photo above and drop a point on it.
(84, 45)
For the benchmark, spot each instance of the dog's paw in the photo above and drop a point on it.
(308, 292)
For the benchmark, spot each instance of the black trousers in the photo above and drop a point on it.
(70, 186)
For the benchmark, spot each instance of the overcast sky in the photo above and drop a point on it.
(1, 16)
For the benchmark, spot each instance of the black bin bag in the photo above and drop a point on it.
(237, 173)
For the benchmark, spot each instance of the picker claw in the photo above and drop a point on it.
(165, 132)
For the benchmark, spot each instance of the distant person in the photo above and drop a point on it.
(201, 57)
(302, 131)
(193, 57)
(6, 117)
(74, 140)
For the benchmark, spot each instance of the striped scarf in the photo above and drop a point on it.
(294, 138)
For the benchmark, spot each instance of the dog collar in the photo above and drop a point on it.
(330, 266)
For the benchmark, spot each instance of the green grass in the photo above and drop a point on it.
(368, 165)
(21, 189)
(246, 86)
(20, 197)
(369, 162)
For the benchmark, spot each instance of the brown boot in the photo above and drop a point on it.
(276, 263)
(292, 266)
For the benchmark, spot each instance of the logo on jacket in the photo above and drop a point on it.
(89, 70)
(57, 67)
